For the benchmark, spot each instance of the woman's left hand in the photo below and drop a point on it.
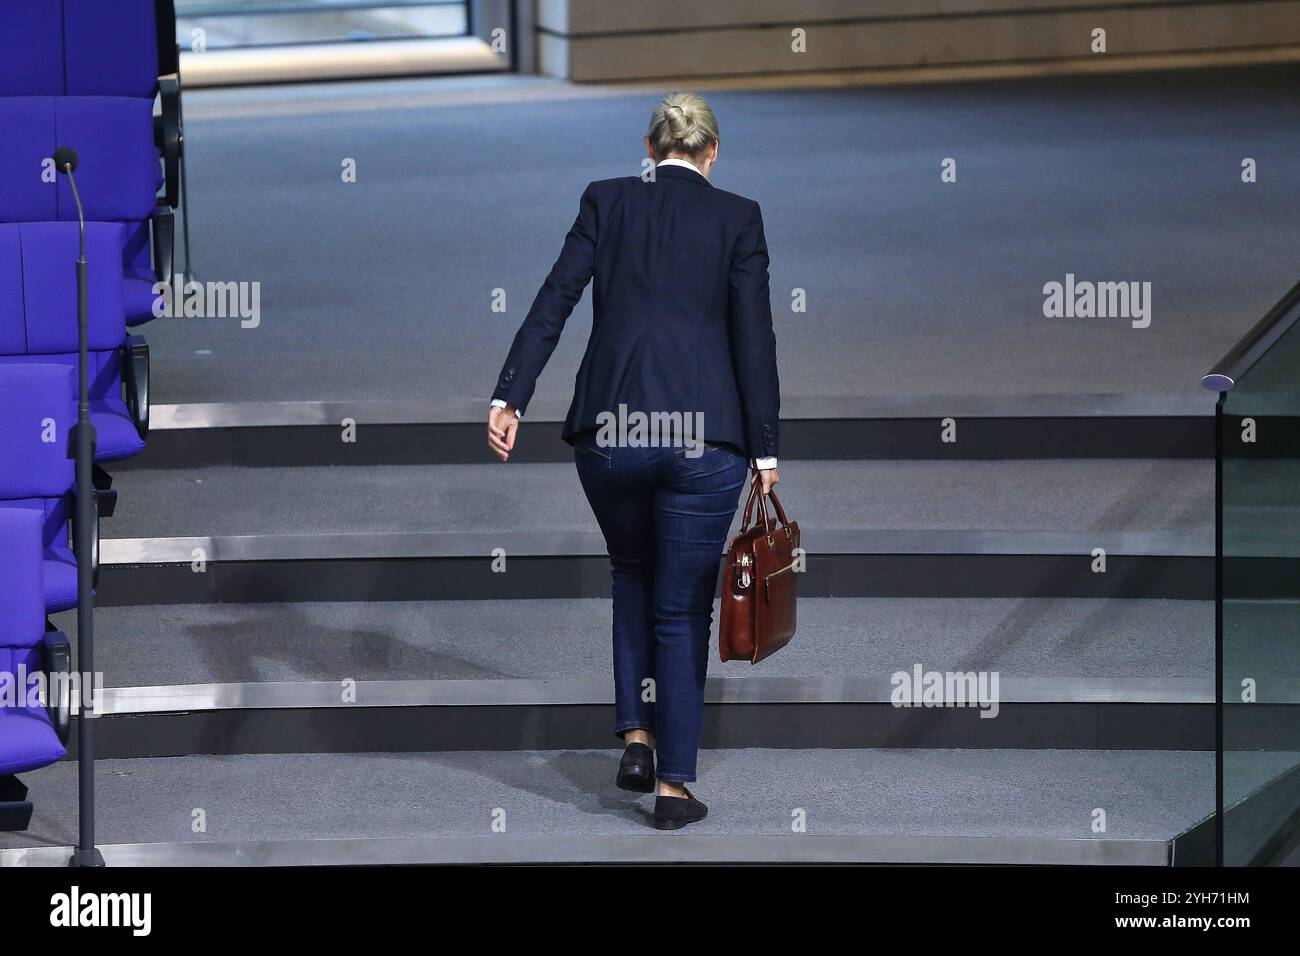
(768, 479)
(503, 425)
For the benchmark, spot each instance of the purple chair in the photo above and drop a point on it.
(83, 47)
(119, 177)
(115, 49)
(119, 173)
(31, 49)
(123, 49)
(37, 414)
(38, 323)
(33, 733)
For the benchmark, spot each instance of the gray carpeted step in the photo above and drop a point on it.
(990, 805)
(1091, 642)
(1105, 497)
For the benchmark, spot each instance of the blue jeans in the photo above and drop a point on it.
(665, 517)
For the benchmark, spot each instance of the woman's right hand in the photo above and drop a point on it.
(768, 479)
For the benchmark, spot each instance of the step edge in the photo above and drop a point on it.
(577, 544)
(547, 692)
(648, 848)
(194, 416)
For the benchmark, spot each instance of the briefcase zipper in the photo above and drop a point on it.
(777, 573)
(745, 578)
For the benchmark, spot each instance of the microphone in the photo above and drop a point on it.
(65, 159)
(85, 531)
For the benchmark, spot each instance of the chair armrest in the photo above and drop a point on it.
(164, 242)
(170, 138)
(58, 668)
(135, 376)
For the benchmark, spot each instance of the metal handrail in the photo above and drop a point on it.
(1229, 370)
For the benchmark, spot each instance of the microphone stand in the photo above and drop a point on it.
(86, 853)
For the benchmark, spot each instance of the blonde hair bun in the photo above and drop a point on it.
(683, 124)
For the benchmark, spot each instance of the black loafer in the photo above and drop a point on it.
(636, 771)
(673, 813)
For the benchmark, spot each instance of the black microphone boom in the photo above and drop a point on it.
(84, 451)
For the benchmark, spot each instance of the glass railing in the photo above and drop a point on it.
(1258, 469)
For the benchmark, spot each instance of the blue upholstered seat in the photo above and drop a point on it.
(28, 739)
(139, 277)
(101, 61)
(37, 413)
(111, 49)
(31, 49)
(60, 572)
(38, 317)
(79, 48)
(119, 175)
(83, 74)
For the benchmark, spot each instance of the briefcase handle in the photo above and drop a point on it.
(755, 494)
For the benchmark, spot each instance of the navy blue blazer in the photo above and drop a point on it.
(682, 320)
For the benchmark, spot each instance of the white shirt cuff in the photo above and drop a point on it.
(765, 464)
(500, 403)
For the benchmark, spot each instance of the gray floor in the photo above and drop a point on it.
(535, 640)
(992, 793)
(1079, 495)
(383, 288)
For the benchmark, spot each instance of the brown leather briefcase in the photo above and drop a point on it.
(758, 586)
